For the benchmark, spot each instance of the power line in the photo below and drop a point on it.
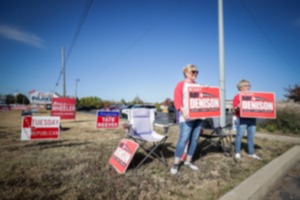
(59, 76)
(267, 36)
(80, 24)
(82, 19)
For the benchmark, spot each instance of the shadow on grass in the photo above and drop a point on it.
(66, 145)
(217, 149)
(55, 144)
(140, 155)
(3, 134)
(244, 145)
(63, 128)
(81, 121)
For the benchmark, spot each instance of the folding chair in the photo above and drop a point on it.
(140, 129)
(220, 137)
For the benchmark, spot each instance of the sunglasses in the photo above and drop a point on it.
(194, 72)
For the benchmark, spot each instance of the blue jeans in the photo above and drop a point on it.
(189, 132)
(242, 125)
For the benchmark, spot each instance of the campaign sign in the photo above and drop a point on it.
(258, 105)
(40, 127)
(204, 102)
(123, 155)
(36, 97)
(5, 107)
(65, 108)
(107, 119)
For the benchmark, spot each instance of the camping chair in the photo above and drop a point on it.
(219, 137)
(140, 129)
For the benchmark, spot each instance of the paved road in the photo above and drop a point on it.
(288, 187)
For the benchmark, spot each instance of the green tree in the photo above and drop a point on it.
(77, 102)
(137, 100)
(168, 101)
(10, 99)
(106, 103)
(293, 93)
(22, 99)
(157, 106)
(95, 102)
(123, 102)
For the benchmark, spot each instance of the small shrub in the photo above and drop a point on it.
(271, 128)
(287, 120)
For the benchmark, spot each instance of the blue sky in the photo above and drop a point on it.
(129, 48)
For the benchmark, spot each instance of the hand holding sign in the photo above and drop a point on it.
(257, 105)
(204, 102)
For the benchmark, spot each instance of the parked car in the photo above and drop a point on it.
(48, 106)
(116, 107)
(84, 108)
(125, 110)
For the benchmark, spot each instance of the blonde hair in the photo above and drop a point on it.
(242, 83)
(188, 68)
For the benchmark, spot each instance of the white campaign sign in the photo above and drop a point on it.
(40, 127)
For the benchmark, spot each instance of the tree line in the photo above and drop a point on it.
(292, 93)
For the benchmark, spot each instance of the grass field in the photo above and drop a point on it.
(76, 166)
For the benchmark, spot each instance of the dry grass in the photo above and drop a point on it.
(76, 166)
(289, 105)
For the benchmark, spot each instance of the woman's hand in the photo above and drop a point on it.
(185, 114)
(237, 107)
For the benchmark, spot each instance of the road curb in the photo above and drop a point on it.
(259, 184)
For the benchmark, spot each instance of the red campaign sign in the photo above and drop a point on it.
(27, 120)
(65, 108)
(107, 119)
(20, 107)
(258, 105)
(44, 133)
(123, 155)
(40, 127)
(204, 102)
(5, 107)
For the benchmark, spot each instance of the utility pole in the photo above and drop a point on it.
(76, 81)
(221, 63)
(63, 72)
